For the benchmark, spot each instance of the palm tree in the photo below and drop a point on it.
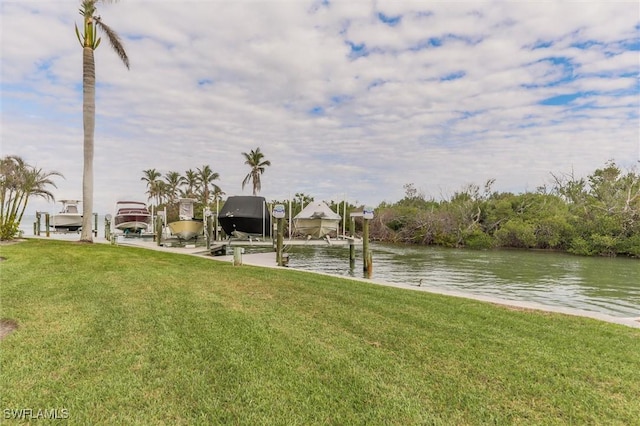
(89, 41)
(217, 196)
(190, 180)
(173, 180)
(18, 182)
(206, 176)
(255, 160)
(151, 176)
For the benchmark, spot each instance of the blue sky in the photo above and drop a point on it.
(346, 98)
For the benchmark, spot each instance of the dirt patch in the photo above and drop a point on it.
(2, 258)
(7, 326)
(9, 242)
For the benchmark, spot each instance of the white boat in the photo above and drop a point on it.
(316, 220)
(132, 216)
(69, 218)
(188, 227)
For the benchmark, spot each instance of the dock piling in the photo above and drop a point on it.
(237, 256)
(279, 242)
(352, 243)
(367, 256)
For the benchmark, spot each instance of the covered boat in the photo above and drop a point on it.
(69, 218)
(188, 227)
(316, 220)
(132, 216)
(244, 216)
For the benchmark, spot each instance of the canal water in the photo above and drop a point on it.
(604, 285)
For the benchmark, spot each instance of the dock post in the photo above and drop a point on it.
(46, 223)
(367, 215)
(352, 243)
(279, 213)
(107, 228)
(36, 224)
(209, 230)
(158, 230)
(279, 242)
(237, 256)
(365, 245)
(369, 270)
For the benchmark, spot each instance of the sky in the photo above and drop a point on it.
(347, 99)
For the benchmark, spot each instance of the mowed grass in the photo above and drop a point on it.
(120, 335)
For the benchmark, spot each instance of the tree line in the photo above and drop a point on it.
(596, 215)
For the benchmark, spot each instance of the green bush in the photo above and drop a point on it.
(629, 246)
(479, 240)
(581, 247)
(8, 231)
(516, 233)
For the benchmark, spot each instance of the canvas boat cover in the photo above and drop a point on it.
(317, 220)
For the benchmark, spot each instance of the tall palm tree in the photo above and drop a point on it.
(89, 41)
(254, 159)
(152, 176)
(206, 176)
(173, 180)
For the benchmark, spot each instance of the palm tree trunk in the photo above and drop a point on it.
(89, 122)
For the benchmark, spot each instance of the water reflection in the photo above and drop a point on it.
(604, 285)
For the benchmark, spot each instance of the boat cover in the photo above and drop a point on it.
(245, 214)
(317, 220)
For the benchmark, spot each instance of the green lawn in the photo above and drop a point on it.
(120, 335)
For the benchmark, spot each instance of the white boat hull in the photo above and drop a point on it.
(132, 226)
(316, 227)
(69, 221)
(186, 229)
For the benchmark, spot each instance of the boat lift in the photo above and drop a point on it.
(37, 226)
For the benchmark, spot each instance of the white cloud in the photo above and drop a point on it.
(450, 95)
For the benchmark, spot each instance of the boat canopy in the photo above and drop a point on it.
(318, 210)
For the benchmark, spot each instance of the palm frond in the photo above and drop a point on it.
(114, 40)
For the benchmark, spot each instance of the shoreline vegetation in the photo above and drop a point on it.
(128, 335)
(594, 216)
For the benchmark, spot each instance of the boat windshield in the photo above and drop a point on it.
(127, 207)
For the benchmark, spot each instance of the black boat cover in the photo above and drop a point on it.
(246, 214)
